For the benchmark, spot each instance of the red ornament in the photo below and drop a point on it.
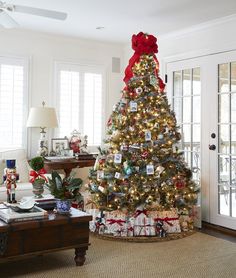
(144, 154)
(101, 161)
(109, 122)
(180, 184)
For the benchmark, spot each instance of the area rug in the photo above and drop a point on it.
(196, 256)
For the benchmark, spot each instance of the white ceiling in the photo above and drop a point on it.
(122, 18)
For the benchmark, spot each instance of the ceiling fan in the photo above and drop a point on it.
(8, 22)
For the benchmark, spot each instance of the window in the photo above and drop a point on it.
(186, 103)
(13, 102)
(79, 101)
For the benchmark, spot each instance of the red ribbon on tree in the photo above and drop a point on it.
(166, 219)
(141, 44)
(138, 212)
(116, 221)
(34, 175)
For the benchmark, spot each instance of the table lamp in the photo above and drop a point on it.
(42, 117)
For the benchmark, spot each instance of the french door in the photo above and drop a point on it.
(223, 141)
(203, 95)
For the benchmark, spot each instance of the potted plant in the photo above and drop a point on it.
(65, 191)
(37, 176)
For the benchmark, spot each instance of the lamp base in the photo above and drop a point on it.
(43, 149)
(43, 144)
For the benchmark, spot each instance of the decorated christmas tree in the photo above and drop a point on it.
(141, 165)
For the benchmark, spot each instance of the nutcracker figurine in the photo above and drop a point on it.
(10, 178)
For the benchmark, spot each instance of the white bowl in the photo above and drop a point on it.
(27, 204)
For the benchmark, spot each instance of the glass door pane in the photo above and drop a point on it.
(227, 139)
(186, 103)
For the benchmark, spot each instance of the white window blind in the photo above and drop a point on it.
(80, 98)
(13, 102)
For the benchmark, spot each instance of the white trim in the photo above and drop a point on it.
(199, 27)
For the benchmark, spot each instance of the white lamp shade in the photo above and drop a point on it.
(42, 117)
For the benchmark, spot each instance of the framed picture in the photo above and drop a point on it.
(60, 146)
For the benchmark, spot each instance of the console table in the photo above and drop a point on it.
(37, 237)
(67, 165)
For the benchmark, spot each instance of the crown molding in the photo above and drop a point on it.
(199, 27)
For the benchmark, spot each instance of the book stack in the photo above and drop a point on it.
(11, 213)
(84, 156)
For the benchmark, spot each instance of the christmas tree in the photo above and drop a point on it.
(142, 164)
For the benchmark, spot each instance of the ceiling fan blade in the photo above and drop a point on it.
(40, 12)
(7, 21)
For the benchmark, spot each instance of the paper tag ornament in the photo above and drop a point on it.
(117, 158)
(117, 175)
(150, 169)
(100, 188)
(174, 148)
(100, 175)
(114, 108)
(124, 147)
(148, 135)
(153, 80)
(133, 106)
(137, 168)
(160, 169)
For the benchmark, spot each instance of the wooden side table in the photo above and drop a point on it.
(67, 165)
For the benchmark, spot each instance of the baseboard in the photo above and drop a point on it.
(217, 228)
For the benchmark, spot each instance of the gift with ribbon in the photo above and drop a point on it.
(142, 224)
(116, 223)
(97, 225)
(170, 221)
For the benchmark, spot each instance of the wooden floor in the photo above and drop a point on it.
(218, 231)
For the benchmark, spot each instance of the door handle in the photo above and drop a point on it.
(212, 147)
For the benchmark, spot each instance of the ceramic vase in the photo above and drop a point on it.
(63, 206)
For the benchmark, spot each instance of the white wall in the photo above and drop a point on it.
(208, 38)
(43, 50)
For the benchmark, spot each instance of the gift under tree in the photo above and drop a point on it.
(141, 165)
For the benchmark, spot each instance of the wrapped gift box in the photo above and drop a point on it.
(186, 223)
(170, 221)
(145, 229)
(143, 224)
(116, 223)
(197, 217)
(97, 225)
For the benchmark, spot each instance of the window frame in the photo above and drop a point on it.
(25, 62)
(81, 67)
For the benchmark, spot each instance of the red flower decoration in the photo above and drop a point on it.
(144, 44)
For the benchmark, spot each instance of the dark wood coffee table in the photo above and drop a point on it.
(37, 237)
